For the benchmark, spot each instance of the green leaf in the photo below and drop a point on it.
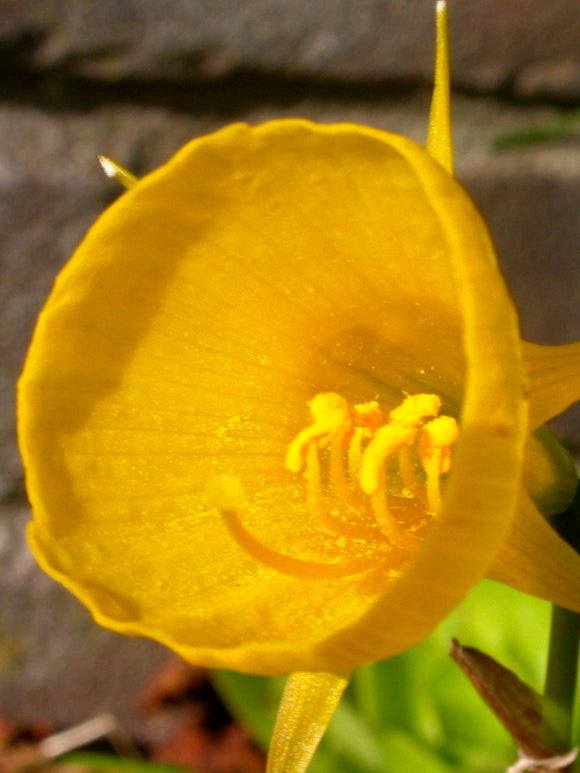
(253, 700)
(107, 763)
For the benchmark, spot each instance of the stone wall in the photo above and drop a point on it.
(134, 80)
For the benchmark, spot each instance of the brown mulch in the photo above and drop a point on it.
(194, 731)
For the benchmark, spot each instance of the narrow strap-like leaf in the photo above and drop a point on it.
(439, 143)
(308, 703)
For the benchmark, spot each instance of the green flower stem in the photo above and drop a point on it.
(561, 676)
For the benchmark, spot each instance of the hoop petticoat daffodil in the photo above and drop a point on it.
(180, 487)
(163, 406)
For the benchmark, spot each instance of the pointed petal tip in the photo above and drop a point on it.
(308, 703)
(439, 140)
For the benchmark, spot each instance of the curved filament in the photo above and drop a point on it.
(343, 528)
(299, 567)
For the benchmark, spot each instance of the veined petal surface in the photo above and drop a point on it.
(308, 703)
(554, 379)
(172, 365)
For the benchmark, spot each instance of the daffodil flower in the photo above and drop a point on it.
(275, 411)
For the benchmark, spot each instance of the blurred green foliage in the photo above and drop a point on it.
(565, 127)
(97, 762)
(418, 712)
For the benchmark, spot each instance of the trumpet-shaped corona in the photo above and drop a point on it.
(170, 432)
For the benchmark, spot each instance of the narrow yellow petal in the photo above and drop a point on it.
(535, 560)
(308, 703)
(439, 142)
(554, 379)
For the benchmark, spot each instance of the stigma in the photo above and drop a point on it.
(383, 465)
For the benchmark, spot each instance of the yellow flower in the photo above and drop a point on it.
(180, 486)
(168, 381)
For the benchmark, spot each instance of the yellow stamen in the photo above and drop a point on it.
(347, 456)
(315, 493)
(338, 477)
(415, 408)
(398, 434)
(359, 435)
(387, 440)
(434, 448)
(387, 523)
(408, 474)
(368, 417)
(396, 437)
(331, 416)
(314, 497)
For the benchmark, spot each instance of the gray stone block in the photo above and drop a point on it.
(529, 47)
(57, 666)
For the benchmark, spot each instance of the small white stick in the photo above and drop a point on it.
(117, 172)
(80, 735)
(533, 765)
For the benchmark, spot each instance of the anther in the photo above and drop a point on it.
(416, 408)
(399, 434)
(331, 417)
(367, 418)
(387, 440)
(368, 415)
(396, 437)
(362, 454)
(434, 449)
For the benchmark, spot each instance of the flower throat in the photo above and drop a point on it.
(372, 483)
